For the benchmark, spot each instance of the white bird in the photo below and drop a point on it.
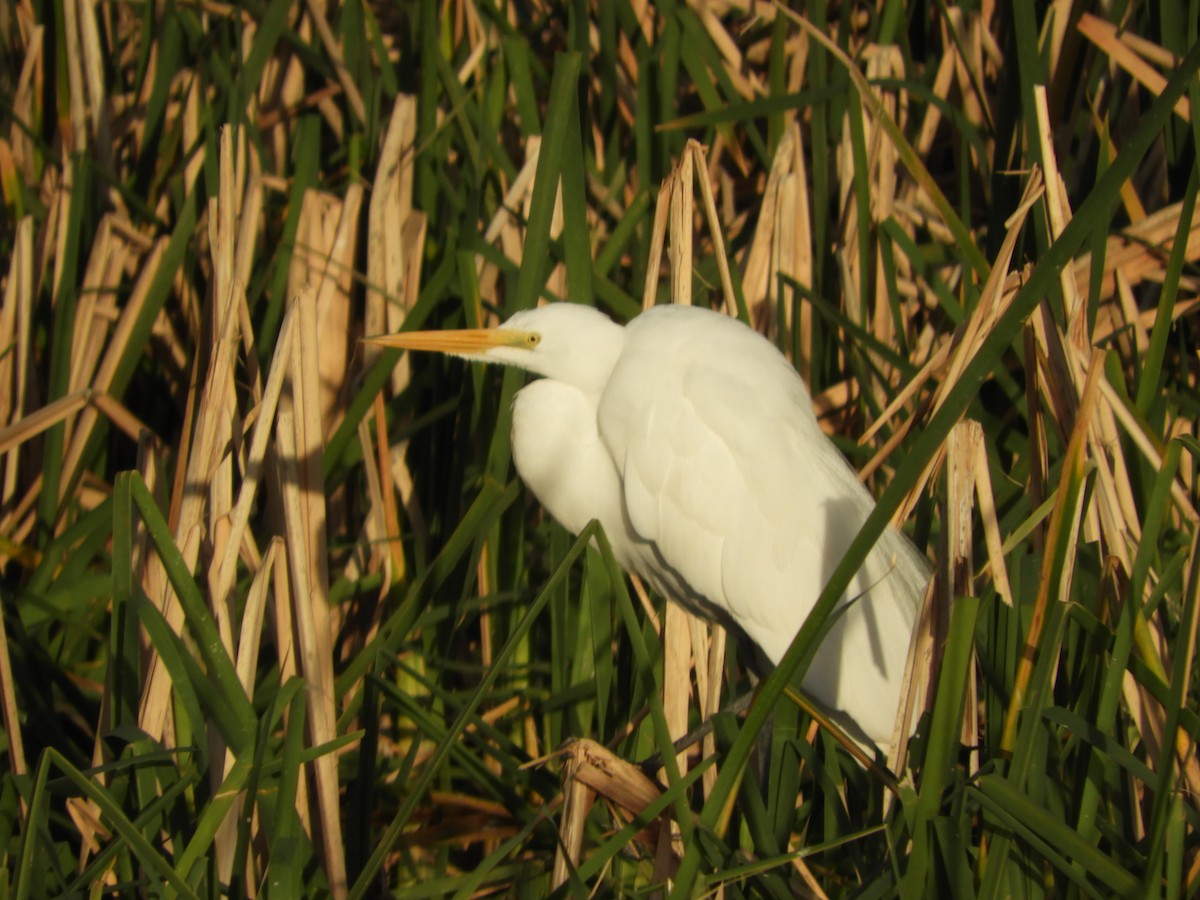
(694, 443)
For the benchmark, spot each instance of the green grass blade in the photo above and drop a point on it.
(1059, 846)
(559, 118)
(241, 719)
(942, 743)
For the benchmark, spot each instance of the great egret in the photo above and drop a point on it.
(694, 443)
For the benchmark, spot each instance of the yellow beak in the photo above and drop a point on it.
(469, 341)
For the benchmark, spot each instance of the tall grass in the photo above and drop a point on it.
(278, 617)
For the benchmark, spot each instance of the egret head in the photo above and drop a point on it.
(567, 342)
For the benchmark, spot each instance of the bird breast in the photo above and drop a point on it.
(559, 455)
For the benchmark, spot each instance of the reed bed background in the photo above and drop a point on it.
(279, 619)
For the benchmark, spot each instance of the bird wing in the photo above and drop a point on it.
(724, 467)
(725, 471)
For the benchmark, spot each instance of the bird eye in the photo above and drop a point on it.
(532, 340)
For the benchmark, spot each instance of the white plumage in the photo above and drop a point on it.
(693, 442)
